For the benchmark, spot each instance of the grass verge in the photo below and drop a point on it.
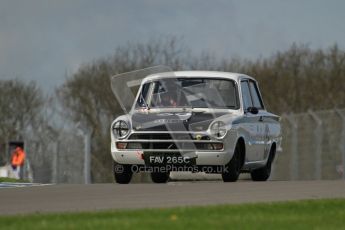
(310, 214)
(12, 180)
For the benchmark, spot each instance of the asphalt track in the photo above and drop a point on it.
(70, 198)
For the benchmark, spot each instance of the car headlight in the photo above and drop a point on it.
(218, 129)
(121, 129)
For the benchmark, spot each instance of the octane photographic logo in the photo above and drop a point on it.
(168, 168)
(119, 168)
(125, 87)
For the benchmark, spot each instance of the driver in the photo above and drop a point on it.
(173, 95)
(168, 99)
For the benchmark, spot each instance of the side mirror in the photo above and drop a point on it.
(253, 110)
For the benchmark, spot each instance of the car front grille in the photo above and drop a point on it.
(168, 136)
(173, 142)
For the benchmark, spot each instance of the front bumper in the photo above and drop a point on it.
(134, 157)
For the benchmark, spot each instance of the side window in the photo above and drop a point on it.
(247, 101)
(257, 102)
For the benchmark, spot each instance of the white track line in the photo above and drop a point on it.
(16, 185)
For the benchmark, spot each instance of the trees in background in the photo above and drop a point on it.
(21, 106)
(300, 78)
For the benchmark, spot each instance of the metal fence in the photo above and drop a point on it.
(313, 146)
(313, 149)
(57, 161)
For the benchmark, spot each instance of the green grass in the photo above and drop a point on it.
(311, 214)
(12, 180)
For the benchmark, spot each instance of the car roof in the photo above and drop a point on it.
(194, 74)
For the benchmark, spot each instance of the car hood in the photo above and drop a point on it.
(173, 121)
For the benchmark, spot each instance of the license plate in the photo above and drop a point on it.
(167, 159)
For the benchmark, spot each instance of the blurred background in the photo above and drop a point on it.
(56, 59)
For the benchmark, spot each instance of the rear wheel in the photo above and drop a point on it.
(122, 173)
(233, 168)
(158, 177)
(262, 174)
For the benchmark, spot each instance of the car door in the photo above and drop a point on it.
(253, 125)
(263, 127)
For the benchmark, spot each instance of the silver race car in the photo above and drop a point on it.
(199, 121)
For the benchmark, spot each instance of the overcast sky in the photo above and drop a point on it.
(44, 40)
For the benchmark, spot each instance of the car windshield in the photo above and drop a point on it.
(189, 92)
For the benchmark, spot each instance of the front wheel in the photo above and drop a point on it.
(122, 173)
(158, 177)
(233, 168)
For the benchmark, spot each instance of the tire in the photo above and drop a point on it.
(262, 174)
(159, 177)
(122, 173)
(234, 166)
